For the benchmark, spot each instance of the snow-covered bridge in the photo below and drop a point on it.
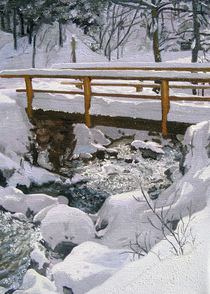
(161, 77)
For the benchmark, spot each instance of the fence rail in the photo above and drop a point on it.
(165, 78)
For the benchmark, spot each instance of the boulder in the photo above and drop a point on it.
(148, 149)
(34, 283)
(3, 290)
(14, 200)
(87, 266)
(68, 225)
(38, 260)
(118, 219)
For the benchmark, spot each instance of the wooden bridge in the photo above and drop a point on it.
(84, 76)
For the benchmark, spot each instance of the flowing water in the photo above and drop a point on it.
(119, 173)
(16, 239)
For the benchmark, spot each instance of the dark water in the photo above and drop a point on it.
(16, 239)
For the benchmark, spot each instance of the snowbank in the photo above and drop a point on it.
(87, 266)
(162, 272)
(14, 124)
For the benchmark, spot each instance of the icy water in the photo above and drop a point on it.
(16, 238)
(122, 172)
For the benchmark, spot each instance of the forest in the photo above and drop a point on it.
(109, 24)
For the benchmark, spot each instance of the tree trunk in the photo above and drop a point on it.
(60, 34)
(196, 32)
(2, 23)
(73, 48)
(14, 28)
(8, 23)
(34, 52)
(30, 32)
(21, 24)
(118, 40)
(156, 49)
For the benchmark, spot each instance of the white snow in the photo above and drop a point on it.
(14, 126)
(66, 224)
(87, 266)
(35, 283)
(27, 174)
(88, 141)
(91, 263)
(38, 256)
(108, 74)
(120, 64)
(3, 290)
(153, 146)
(163, 272)
(14, 200)
(6, 163)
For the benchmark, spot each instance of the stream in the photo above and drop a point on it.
(111, 173)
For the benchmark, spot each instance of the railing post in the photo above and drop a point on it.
(87, 97)
(165, 105)
(30, 95)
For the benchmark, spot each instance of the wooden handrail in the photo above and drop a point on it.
(86, 77)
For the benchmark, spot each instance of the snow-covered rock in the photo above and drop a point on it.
(14, 200)
(20, 216)
(86, 141)
(3, 290)
(87, 266)
(111, 169)
(99, 138)
(30, 174)
(196, 142)
(42, 213)
(149, 149)
(6, 163)
(77, 178)
(66, 224)
(35, 283)
(118, 220)
(38, 256)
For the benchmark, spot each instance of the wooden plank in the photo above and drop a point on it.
(104, 84)
(189, 98)
(165, 105)
(30, 95)
(141, 85)
(118, 95)
(52, 91)
(87, 100)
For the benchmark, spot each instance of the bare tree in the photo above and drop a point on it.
(176, 232)
(116, 28)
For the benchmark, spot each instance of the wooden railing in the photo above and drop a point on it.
(85, 77)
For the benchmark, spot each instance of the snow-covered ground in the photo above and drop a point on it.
(177, 259)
